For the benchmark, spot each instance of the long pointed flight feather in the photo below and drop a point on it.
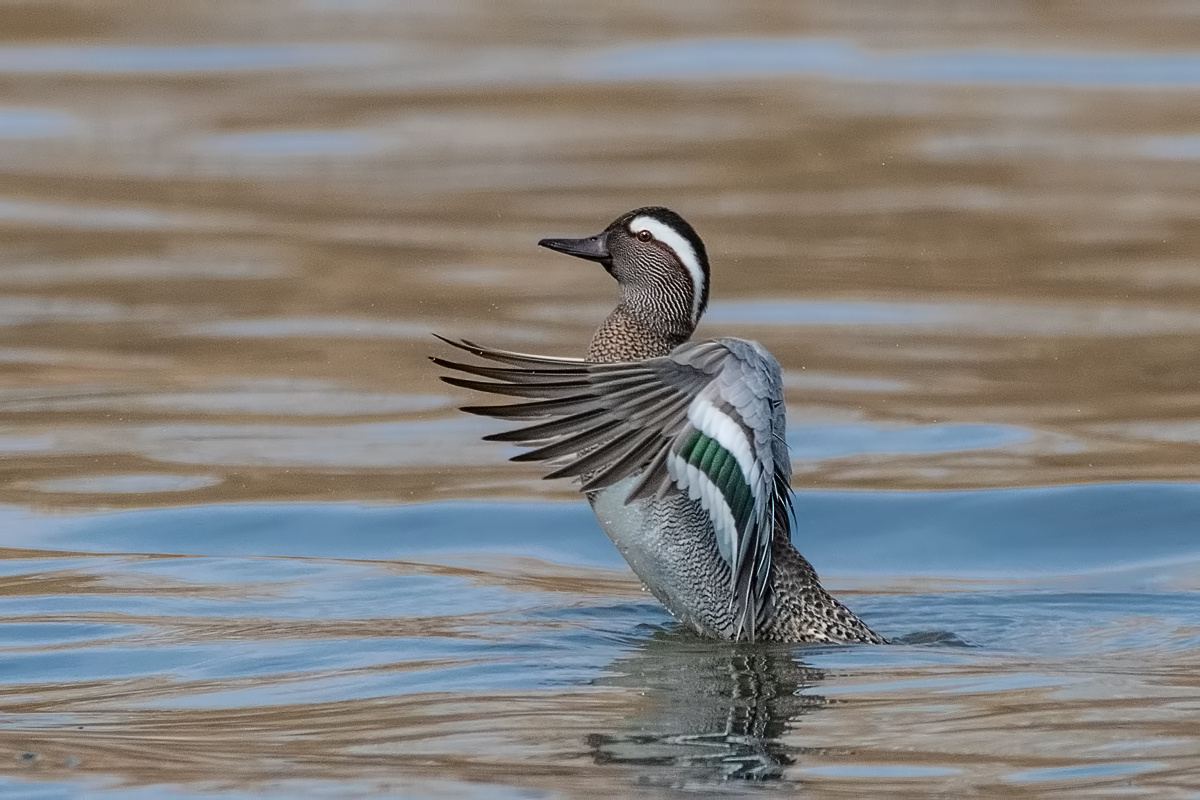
(511, 374)
(572, 444)
(547, 430)
(544, 391)
(507, 356)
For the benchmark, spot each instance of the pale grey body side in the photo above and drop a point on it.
(669, 545)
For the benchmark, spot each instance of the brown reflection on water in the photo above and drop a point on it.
(277, 231)
(670, 715)
(290, 216)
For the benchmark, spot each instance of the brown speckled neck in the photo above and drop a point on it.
(623, 337)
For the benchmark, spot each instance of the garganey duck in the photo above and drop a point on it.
(678, 445)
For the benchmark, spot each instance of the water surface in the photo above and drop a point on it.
(249, 547)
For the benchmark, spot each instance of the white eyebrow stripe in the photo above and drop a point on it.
(683, 251)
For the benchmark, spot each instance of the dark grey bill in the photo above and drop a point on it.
(593, 248)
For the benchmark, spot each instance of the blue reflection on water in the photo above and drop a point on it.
(695, 59)
(832, 441)
(1172, 147)
(1055, 530)
(1085, 772)
(707, 59)
(33, 123)
(1005, 319)
(324, 602)
(195, 59)
(824, 312)
(295, 143)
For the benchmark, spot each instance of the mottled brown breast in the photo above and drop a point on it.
(622, 337)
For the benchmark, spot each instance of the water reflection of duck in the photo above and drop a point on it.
(707, 712)
(680, 445)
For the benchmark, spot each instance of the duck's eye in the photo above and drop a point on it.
(644, 236)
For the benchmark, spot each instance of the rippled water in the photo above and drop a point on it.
(248, 546)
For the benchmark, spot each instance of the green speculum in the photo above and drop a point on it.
(718, 464)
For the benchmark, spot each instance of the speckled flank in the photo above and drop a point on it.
(804, 611)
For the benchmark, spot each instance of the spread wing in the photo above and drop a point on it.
(707, 420)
